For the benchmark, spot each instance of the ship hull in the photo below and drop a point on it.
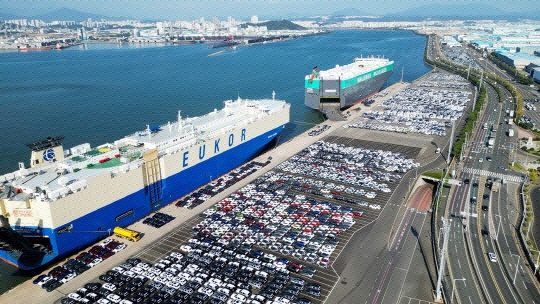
(87, 229)
(331, 92)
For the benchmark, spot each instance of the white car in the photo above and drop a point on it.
(105, 242)
(186, 248)
(44, 280)
(119, 269)
(75, 296)
(109, 286)
(119, 247)
(95, 262)
(68, 278)
(492, 257)
(114, 298)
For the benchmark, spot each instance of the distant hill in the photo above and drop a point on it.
(6, 16)
(277, 25)
(67, 14)
(458, 12)
(350, 12)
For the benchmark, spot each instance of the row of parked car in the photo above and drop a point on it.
(318, 130)
(446, 85)
(158, 219)
(200, 196)
(73, 267)
(205, 271)
(427, 127)
(416, 110)
(529, 106)
(291, 224)
(527, 120)
(458, 56)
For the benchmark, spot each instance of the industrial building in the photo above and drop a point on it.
(517, 60)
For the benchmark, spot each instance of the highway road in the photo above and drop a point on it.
(487, 226)
(527, 92)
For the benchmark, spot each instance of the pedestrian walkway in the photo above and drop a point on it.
(510, 178)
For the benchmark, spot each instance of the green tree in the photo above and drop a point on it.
(533, 175)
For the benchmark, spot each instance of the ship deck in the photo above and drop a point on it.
(56, 178)
(353, 69)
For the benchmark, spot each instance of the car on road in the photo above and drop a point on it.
(485, 208)
(467, 181)
(492, 257)
(486, 196)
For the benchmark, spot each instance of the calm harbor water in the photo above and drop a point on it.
(100, 93)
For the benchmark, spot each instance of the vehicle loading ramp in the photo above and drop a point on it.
(332, 111)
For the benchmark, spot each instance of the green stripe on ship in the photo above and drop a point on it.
(315, 84)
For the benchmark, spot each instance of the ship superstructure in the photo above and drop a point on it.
(69, 199)
(343, 86)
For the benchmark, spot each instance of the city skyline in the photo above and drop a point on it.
(169, 10)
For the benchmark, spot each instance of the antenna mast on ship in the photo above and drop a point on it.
(179, 119)
(402, 69)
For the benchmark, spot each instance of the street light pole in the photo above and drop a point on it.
(499, 227)
(517, 267)
(454, 287)
(451, 142)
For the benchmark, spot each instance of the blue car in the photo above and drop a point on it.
(39, 278)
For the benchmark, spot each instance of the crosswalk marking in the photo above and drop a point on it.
(510, 178)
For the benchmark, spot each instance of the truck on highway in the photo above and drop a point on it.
(512, 113)
(131, 235)
(491, 142)
(510, 132)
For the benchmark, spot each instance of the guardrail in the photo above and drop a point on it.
(523, 238)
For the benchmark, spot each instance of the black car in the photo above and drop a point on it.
(313, 286)
(485, 208)
(103, 292)
(136, 299)
(54, 285)
(123, 293)
(467, 181)
(475, 184)
(215, 301)
(92, 286)
(485, 232)
(303, 301)
(68, 301)
(133, 261)
(106, 278)
(48, 283)
(155, 299)
(486, 196)
(313, 293)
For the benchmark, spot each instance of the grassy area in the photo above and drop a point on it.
(434, 174)
(517, 167)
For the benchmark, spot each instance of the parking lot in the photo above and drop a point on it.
(276, 237)
(458, 56)
(427, 108)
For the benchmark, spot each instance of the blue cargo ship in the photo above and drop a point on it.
(68, 199)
